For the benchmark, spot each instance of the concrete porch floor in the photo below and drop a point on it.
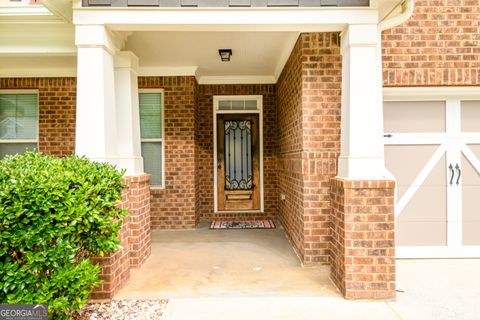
(205, 263)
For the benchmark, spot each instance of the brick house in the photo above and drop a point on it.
(356, 171)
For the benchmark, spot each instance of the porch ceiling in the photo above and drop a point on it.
(257, 56)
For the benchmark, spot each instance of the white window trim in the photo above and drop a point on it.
(162, 139)
(25, 91)
(259, 111)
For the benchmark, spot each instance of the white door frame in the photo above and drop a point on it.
(452, 143)
(259, 111)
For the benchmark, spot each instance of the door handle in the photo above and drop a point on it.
(452, 172)
(459, 173)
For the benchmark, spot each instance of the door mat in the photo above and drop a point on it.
(257, 224)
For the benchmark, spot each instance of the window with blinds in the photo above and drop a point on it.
(18, 123)
(151, 128)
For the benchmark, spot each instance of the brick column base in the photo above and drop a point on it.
(363, 246)
(135, 238)
(140, 240)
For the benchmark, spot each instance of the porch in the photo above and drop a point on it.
(204, 263)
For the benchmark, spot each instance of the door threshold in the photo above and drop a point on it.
(239, 211)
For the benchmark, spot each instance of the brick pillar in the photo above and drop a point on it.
(140, 240)
(363, 246)
(135, 238)
(115, 266)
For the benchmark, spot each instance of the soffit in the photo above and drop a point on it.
(255, 54)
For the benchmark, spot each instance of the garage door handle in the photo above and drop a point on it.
(387, 135)
(459, 173)
(453, 173)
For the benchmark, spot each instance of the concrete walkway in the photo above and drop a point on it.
(434, 290)
(255, 274)
(279, 308)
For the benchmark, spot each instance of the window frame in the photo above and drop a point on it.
(162, 139)
(24, 141)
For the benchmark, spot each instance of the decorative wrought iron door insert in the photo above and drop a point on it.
(238, 155)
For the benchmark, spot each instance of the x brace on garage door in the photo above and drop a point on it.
(435, 159)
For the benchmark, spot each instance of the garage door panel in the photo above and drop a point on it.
(428, 233)
(432, 148)
(428, 204)
(470, 201)
(414, 116)
(406, 162)
(471, 233)
(470, 116)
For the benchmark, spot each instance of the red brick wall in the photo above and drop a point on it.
(135, 237)
(57, 105)
(139, 226)
(205, 148)
(309, 105)
(290, 146)
(197, 155)
(438, 46)
(174, 206)
(363, 244)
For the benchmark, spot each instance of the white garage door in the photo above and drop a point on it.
(432, 148)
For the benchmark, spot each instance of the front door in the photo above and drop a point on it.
(238, 162)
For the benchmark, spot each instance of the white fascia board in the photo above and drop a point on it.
(61, 8)
(22, 11)
(236, 80)
(430, 93)
(15, 72)
(31, 14)
(47, 50)
(228, 19)
(41, 39)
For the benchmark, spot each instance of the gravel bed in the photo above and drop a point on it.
(123, 309)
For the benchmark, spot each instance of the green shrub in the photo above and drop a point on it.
(54, 214)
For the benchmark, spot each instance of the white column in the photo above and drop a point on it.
(128, 118)
(96, 132)
(362, 151)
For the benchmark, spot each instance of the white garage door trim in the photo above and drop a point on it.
(453, 143)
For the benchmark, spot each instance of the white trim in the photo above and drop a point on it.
(454, 191)
(259, 111)
(237, 80)
(229, 19)
(415, 138)
(62, 9)
(434, 252)
(19, 91)
(37, 72)
(162, 92)
(24, 10)
(168, 71)
(24, 141)
(18, 141)
(431, 93)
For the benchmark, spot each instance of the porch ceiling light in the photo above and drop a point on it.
(225, 54)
